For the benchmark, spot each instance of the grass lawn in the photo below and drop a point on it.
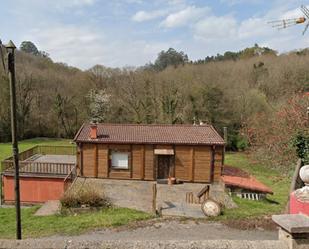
(34, 226)
(274, 179)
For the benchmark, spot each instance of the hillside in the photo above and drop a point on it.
(234, 91)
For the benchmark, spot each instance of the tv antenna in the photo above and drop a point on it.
(286, 23)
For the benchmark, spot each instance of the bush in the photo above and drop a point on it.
(237, 142)
(301, 143)
(86, 196)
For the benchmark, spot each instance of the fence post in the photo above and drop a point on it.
(154, 198)
(0, 189)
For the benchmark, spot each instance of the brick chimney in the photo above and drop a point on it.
(93, 131)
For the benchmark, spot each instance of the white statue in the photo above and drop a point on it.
(304, 174)
(303, 193)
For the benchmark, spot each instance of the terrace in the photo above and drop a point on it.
(44, 160)
(45, 174)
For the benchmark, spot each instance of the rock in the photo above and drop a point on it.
(211, 208)
(218, 194)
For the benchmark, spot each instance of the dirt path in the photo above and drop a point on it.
(175, 230)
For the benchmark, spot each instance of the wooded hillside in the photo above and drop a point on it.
(244, 92)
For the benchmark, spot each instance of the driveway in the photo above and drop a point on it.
(174, 229)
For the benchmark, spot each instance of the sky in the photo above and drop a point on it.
(120, 33)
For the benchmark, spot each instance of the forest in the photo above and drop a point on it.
(260, 95)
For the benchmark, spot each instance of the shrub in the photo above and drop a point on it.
(87, 196)
(301, 143)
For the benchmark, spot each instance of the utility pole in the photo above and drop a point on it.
(11, 71)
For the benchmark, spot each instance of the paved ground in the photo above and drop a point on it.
(174, 230)
(138, 194)
(53, 159)
(151, 244)
(49, 208)
(182, 209)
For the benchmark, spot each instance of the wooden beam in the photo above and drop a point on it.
(108, 161)
(143, 163)
(212, 163)
(191, 168)
(131, 161)
(222, 161)
(154, 198)
(96, 164)
(81, 160)
(155, 166)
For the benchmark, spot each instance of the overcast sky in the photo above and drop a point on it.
(119, 33)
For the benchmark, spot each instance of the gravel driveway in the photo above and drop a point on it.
(174, 230)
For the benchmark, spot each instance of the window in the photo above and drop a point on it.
(120, 160)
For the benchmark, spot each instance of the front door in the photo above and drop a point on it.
(163, 167)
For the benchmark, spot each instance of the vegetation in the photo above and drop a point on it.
(246, 91)
(301, 142)
(274, 204)
(38, 226)
(87, 196)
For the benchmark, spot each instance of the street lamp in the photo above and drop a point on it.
(10, 48)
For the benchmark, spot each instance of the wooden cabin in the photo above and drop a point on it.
(190, 153)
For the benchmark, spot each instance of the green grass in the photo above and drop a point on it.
(34, 226)
(275, 180)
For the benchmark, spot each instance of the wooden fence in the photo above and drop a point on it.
(29, 166)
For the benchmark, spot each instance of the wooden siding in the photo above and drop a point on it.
(192, 163)
(183, 160)
(149, 163)
(103, 158)
(88, 160)
(137, 161)
(164, 147)
(218, 163)
(120, 174)
(202, 164)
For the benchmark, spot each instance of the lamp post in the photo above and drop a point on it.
(10, 47)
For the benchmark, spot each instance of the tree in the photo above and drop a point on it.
(98, 105)
(170, 58)
(29, 47)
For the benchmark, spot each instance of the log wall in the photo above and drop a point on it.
(191, 164)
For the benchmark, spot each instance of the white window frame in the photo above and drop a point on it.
(121, 164)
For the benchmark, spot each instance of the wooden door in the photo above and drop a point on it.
(163, 167)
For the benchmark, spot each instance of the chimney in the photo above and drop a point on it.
(93, 131)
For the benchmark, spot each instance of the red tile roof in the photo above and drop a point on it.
(233, 176)
(151, 134)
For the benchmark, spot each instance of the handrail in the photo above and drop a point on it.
(71, 172)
